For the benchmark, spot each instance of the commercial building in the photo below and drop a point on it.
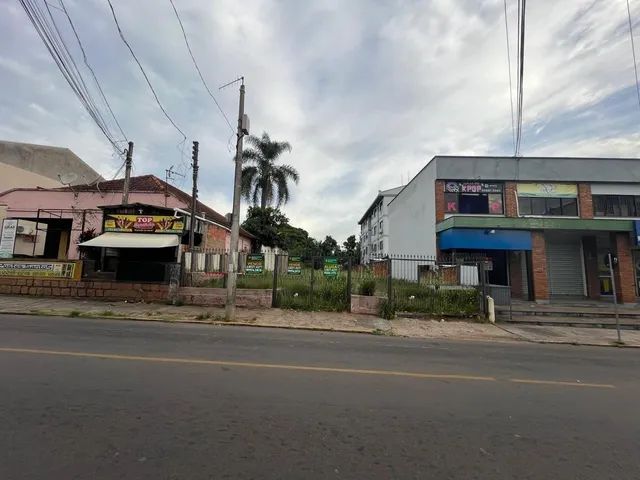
(546, 224)
(374, 234)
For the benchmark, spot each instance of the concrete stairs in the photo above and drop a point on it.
(574, 315)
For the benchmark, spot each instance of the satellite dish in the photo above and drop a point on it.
(68, 178)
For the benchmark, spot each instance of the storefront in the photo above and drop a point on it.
(139, 243)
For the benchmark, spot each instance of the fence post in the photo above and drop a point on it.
(483, 288)
(349, 284)
(389, 280)
(313, 268)
(274, 292)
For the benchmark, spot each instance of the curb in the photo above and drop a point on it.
(565, 342)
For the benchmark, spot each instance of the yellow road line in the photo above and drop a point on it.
(565, 384)
(110, 356)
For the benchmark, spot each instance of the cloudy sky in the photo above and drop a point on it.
(366, 91)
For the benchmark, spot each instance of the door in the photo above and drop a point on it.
(565, 266)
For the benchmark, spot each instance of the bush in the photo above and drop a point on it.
(387, 309)
(367, 287)
(420, 299)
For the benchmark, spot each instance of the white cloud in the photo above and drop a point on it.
(364, 91)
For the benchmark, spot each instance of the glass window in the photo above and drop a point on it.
(451, 202)
(374, 230)
(380, 227)
(495, 203)
(599, 205)
(627, 206)
(381, 244)
(538, 206)
(570, 207)
(617, 205)
(554, 206)
(524, 205)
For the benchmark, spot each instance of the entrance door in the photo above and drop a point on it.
(565, 267)
(636, 262)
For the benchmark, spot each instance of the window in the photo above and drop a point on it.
(473, 198)
(551, 206)
(374, 230)
(616, 205)
(374, 248)
(381, 246)
(380, 227)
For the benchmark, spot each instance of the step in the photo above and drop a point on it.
(629, 313)
(601, 322)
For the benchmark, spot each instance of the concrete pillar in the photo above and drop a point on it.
(440, 207)
(515, 274)
(585, 201)
(539, 263)
(624, 273)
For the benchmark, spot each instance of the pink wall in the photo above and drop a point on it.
(25, 204)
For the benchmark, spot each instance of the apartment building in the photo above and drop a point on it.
(546, 225)
(374, 226)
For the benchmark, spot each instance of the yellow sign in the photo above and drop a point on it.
(143, 223)
(41, 269)
(566, 190)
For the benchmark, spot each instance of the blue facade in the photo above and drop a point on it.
(637, 232)
(484, 239)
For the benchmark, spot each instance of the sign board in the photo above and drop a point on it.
(255, 264)
(143, 223)
(8, 238)
(41, 269)
(636, 224)
(294, 266)
(472, 187)
(331, 267)
(547, 190)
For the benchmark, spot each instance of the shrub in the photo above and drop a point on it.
(367, 287)
(387, 309)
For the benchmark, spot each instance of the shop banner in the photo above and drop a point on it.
(294, 266)
(331, 267)
(472, 187)
(8, 238)
(143, 223)
(547, 190)
(38, 269)
(255, 264)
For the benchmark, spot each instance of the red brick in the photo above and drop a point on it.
(539, 262)
(55, 291)
(99, 292)
(91, 292)
(624, 271)
(39, 291)
(46, 291)
(32, 290)
(24, 290)
(15, 289)
(585, 200)
(510, 199)
(37, 283)
(5, 288)
(73, 292)
(439, 200)
(46, 283)
(21, 281)
(65, 292)
(82, 292)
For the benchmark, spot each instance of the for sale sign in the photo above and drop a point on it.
(255, 264)
(294, 266)
(331, 267)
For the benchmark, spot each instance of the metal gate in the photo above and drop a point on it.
(565, 267)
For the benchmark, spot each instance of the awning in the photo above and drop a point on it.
(484, 239)
(133, 240)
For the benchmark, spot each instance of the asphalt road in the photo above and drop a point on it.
(106, 399)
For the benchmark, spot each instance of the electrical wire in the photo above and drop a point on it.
(506, 28)
(633, 50)
(144, 73)
(522, 4)
(54, 43)
(93, 73)
(195, 64)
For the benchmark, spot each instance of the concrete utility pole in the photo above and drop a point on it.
(232, 274)
(127, 175)
(194, 207)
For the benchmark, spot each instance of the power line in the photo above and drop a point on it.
(195, 64)
(124, 40)
(522, 4)
(633, 50)
(86, 62)
(54, 43)
(506, 28)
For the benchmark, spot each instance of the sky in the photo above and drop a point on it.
(366, 91)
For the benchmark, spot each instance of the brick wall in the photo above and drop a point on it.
(439, 201)
(539, 262)
(510, 199)
(99, 289)
(515, 274)
(365, 305)
(625, 276)
(585, 201)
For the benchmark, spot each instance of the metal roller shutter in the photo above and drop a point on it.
(564, 267)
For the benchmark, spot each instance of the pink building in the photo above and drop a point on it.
(64, 214)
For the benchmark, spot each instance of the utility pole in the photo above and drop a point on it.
(232, 274)
(194, 207)
(127, 175)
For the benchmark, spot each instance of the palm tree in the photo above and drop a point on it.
(261, 177)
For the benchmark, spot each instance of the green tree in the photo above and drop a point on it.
(262, 179)
(351, 249)
(329, 247)
(265, 224)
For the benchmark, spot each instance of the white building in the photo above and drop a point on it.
(374, 226)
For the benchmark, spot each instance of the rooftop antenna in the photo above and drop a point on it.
(67, 179)
(169, 174)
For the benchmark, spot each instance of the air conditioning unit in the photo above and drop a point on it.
(26, 229)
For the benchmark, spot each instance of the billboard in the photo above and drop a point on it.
(41, 269)
(115, 222)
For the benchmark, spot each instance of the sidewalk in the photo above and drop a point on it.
(325, 321)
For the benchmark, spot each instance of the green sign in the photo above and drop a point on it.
(330, 267)
(295, 266)
(255, 264)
